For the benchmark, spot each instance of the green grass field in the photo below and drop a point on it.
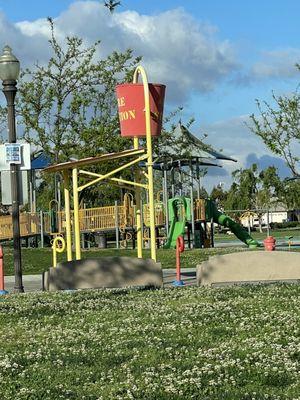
(36, 261)
(238, 343)
(279, 234)
(191, 343)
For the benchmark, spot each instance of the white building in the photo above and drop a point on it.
(277, 213)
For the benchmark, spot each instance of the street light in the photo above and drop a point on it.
(9, 73)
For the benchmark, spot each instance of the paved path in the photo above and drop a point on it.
(188, 276)
(33, 283)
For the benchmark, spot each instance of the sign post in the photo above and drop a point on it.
(14, 154)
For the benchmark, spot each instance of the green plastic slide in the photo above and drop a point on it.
(237, 229)
(179, 213)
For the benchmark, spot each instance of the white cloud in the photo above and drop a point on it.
(277, 64)
(177, 50)
(28, 48)
(235, 139)
(274, 64)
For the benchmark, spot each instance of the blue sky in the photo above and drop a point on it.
(229, 53)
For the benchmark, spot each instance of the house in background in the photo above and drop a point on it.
(278, 213)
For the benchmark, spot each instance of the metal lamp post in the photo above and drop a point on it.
(9, 73)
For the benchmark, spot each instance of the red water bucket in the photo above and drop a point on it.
(131, 106)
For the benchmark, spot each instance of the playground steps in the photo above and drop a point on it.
(104, 272)
(249, 267)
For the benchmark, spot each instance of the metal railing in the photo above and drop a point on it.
(29, 225)
(90, 219)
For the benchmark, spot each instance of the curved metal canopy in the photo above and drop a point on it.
(192, 147)
(166, 166)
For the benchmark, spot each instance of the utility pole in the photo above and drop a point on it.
(9, 72)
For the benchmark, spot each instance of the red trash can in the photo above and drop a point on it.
(131, 107)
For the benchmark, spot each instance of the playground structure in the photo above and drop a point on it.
(136, 216)
(29, 226)
(131, 219)
(114, 271)
(148, 125)
(204, 211)
(121, 219)
(173, 214)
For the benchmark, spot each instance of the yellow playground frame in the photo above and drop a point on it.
(71, 172)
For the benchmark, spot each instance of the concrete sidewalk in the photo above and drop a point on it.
(188, 276)
(33, 283)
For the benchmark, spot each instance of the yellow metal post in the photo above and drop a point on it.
(140, 71)
(68, 214)
(76, 214)
(139, 222)
(58, 246)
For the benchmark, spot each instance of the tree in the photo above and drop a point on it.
(243, 190)
(254, 190)
(68, 107)
(270, 188)
(291, 194)
(279, 127)
(219, 195)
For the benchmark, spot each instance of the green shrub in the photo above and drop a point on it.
(284, 225)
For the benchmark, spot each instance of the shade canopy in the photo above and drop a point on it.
(41, 161)
(167, 165)
(69, 165)
(185, 145)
